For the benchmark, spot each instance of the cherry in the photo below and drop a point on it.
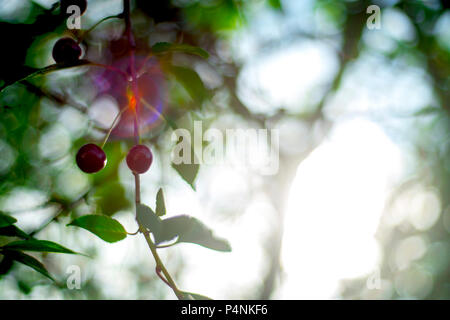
(66, 50)
(91, 158)
(82, 4)
(139, 158)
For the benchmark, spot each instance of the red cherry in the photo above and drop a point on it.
(139, 159)
(66, 50)
(91, 158)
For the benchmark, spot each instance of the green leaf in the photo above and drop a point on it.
(13, 231)
(163, 47)
(111, 198)
(148, 219)
(28, 261)
(191, 81)
(106, 228)
(6, 220)
(276, 4)
(188, 172)
(38, 245)
(428, 111)
(195, 296)
(160, 205)
(191, 230)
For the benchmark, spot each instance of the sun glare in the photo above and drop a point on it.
(334, 208)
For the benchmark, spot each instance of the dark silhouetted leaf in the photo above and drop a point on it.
(148, 219)
(28, 261)
(160, 205)
(191, 230)
(6, 220)
(38, 245)
(163, 47)
(106, 228)
(48, 69)
(24, 287)
(13, 231)
(5, 265)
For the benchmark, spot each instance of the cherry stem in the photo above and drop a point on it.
(111, 68)
(158, 272)
(112, 127)
(159, 264)
(81, 38)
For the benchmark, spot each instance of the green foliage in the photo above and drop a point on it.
(276, 4)
(190, 230)
(38, 245)
(13, 231)
(166, 47)
(28, 261)
(188, 172)
(106, 228)
(160, 204)
(147, 218)
(111, 198)
(6, 220)
(183, 228)
(191, 81)
(220, 16)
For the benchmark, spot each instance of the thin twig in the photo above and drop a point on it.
(159, 264)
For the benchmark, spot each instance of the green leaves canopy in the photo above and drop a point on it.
(6, 220)
(28, 261)
(37, 245)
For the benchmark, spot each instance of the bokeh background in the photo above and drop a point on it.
(363, 187)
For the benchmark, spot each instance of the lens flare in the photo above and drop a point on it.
(147, 105)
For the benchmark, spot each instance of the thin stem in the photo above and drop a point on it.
(166, 245)
(160, 264)
(161, 276)
(112, 127)
(116, 16)
(137, 186)
(151, 245)
(104, 66)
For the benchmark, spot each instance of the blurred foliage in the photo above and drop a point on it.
(38, 140)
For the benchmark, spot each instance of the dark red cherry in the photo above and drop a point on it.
(139, 159)
(82, 4)
(66, 50)
(91, 158)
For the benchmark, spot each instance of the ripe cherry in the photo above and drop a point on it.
(91, 158)
(139, 159)
(66, 50)
(82, 4)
